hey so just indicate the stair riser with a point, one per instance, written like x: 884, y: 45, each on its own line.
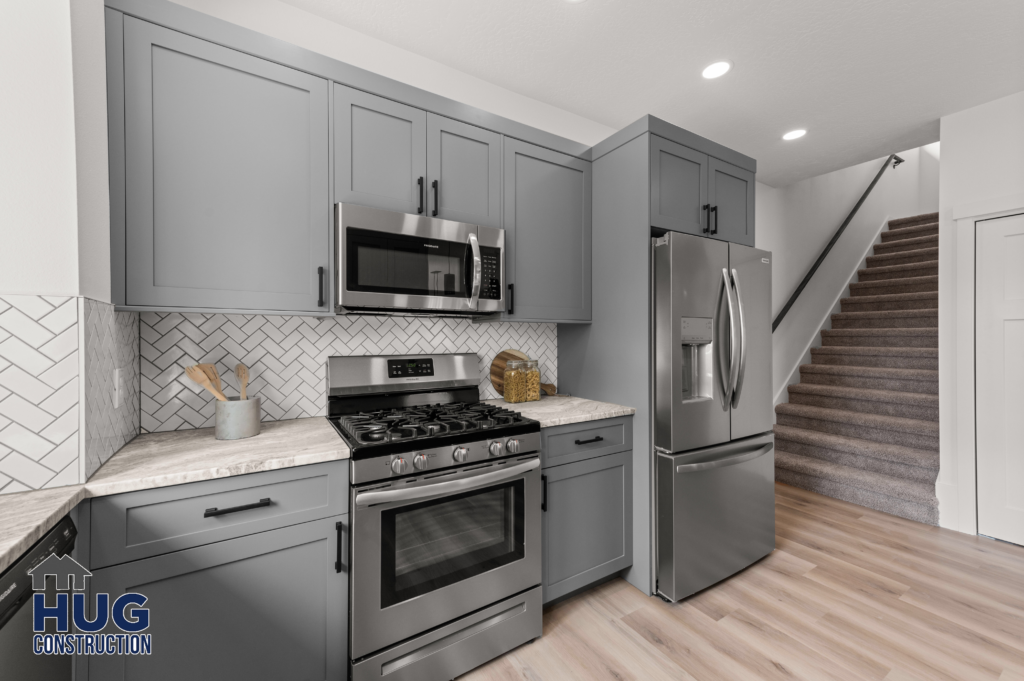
x: 909, y: 233
x: 855, y: 495
x: 910, y: 220
x: 895, y: 286
x: 886, y: 437
x: 931, y: 322
x: 909, y: 411
x: 929, y: 363
x: 877, y: 275
x: 851, y: 305
x: 867, y: 463
x: 884, y: 260
x: 880, y: 341
x: 873, y: 383
x: 906, y: 245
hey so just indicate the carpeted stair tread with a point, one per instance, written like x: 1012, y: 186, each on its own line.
x: 926, y: 400
x: 924, y: 300
x: 878, y: 428
x: 909, y: 490
x: 900, y: 223
x: 925, y: 229
x: 868, y: 356
x: 922, y: 513
x: 890, y: 286
x: 878, y: 421
x: 910, y: 270
x: 918, y: 242
x: 903, y: 257
x: 886, y: 319
x: 843, y: 443
x: 912, y: 337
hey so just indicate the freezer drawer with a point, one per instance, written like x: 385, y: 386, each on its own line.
x: 716, y: 513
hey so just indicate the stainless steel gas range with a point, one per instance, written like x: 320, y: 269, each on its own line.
x: 446, y: 517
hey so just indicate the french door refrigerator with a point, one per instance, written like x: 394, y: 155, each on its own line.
x: 714, y: 449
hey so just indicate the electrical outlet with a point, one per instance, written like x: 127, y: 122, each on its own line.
x: 117, y: 388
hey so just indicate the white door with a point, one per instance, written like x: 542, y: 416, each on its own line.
x: 1000, y: 377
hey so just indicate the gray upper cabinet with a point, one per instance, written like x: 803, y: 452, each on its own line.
x: 731, y: 191
x: 463, y: 172
x: 679, y: 187
x: 547, y: 225
x: 226, y: 176
x: 380, y: 152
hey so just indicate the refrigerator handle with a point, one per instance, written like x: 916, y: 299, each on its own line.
x: 738, y: 385
x: 730, y: 383
x: 728, y: 461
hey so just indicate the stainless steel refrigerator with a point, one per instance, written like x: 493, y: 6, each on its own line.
x: 715, y: 462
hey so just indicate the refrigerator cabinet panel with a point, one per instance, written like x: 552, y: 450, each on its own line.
x: 751, y: 271
x: 716, y: 513
x: 692, y: 351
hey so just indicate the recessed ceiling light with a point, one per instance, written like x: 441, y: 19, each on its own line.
x: 719, y: 68
x: 794, y: 134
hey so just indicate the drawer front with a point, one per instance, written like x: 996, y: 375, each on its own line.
x: 579, y: 441
x: 148, y: 523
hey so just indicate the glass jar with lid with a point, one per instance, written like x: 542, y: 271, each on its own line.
x: 515, y: 381
x: 531, y: 371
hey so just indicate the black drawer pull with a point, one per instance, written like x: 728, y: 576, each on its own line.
x: 211, y: 512
x: 339, y: 526
x: 544, y: 493
x: 590, y: 441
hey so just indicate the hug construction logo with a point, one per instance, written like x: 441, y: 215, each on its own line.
x: 126, y: 613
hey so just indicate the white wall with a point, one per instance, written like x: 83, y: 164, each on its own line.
x: 796, y: 222
x: 982, y: 172
x: 301, y: 28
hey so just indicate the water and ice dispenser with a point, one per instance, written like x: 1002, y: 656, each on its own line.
x: 697, y: 367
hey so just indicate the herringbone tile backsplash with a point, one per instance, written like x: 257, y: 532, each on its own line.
x: 286, y: 357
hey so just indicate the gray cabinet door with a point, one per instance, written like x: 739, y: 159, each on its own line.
x: 731, y: 191
x: 465, y: 163
x: 587, y: 522
x: 227, y: 182
x: 547, y: 233
x: 679, y: 187
x: 380, y: 152
x: 266, y: 606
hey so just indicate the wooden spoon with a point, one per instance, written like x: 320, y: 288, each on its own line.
x: 200, y: 377
x: 211, y: 372
x: 242, y: 372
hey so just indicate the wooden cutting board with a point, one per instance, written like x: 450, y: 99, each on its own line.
x: 498, y: 368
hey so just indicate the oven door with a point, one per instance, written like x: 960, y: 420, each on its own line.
x: 388, y: 260
x: 430, y: 551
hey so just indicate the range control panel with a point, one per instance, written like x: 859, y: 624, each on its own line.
x: 399, y: 368
x: 490, y: 281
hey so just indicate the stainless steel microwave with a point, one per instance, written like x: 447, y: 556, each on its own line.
x: 391, y: 262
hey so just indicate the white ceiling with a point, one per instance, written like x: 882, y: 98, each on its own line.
x: 864, y: 77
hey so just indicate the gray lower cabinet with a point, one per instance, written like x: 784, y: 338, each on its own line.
x: 679, y: 187
x: 267, y: 606
x: 588, y: 521
x: 226, y: 181
x: 463, y: 172
x: 731, y: 192
x: 547, y: 225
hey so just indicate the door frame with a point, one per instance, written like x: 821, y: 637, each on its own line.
x: 957, y: 484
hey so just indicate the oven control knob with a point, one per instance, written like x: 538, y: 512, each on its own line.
x: 420, y: 461
x: 495, y: 449
x: 460, y: 454
x: 512, y: 446
x: 398, y: 466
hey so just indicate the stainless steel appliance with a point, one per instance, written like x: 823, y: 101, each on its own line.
x: 715, y: 497
x: 394, y: 262
x: 445, y: 513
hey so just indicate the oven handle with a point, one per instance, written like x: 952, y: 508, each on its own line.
x: 474, y: 245
x: 364, y: 499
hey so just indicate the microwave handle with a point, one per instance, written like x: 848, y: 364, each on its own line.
x: 474, y: 245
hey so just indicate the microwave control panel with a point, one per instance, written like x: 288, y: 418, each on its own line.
x: 490, y: 281
x: 400, y: 368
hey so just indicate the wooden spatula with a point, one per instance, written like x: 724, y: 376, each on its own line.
x: 242, y: 372
x: 200, y: 377
x: 211, y: 373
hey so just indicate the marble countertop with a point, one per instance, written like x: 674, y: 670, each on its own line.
x: 560, y: 410
x: 164, y: 459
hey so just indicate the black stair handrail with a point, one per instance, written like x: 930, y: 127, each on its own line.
x: 896, y: 160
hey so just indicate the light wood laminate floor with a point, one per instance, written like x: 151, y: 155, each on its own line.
x: 849, y: 593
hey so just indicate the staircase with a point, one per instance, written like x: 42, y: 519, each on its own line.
x: 863, y: 423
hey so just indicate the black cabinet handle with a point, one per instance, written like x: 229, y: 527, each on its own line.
x: 544, y: 494
x: 707, y: 217
x: 511, y: 299
x: 435, y: 184
x: 420, y: 183
x: 320, y: 274
x: 339, y: 526
x: 211, y: 512
x: 714, y: 211
x: 590, y: 441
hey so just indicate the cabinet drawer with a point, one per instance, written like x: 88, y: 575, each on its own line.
x: 151, y: 522
x: 578, y: 441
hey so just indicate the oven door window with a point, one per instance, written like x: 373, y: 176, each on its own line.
x: 436, y: 543
x: 406, y: 265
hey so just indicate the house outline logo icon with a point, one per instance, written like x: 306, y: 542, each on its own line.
x: 68, y: 572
